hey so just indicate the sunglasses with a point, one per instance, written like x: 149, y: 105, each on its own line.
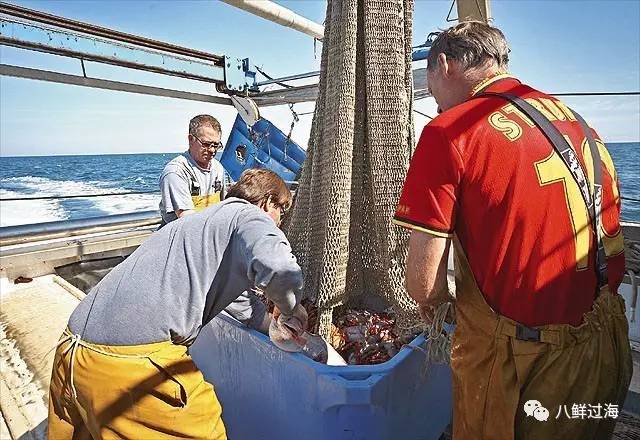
x: 208, y: 145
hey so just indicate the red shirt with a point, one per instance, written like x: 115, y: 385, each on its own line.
x: 483, y: 171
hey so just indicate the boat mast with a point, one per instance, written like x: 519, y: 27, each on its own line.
x: 279, y: 14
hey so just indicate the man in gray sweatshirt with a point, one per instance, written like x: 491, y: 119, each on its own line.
x: 122, y: 365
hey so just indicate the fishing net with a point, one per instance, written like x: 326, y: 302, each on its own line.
x: 360, y: 145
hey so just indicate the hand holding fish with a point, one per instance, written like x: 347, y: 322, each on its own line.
x: 285, y: 330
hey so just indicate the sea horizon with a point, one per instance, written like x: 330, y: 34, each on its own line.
x: 63, y: 175
x: 178, y: 151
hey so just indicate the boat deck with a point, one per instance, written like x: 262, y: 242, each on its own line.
x: 32, y: 317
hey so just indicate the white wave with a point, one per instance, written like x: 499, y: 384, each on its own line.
x: 42, y: 186
x: 22, y: 212
x: 122, y: 204
x: 32, y: 211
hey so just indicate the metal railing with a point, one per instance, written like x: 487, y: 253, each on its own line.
x: 11, y: 235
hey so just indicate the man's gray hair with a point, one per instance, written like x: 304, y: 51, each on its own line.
x: 201, y: 121
x: 472, y: 44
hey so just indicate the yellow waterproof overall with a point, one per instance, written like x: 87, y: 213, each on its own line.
x: 151, y: 391
x: 202, y: 202
x: 496, y: 370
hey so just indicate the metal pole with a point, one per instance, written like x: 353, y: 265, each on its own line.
x: 281, y: 15
x: 45, y: 38
x: 76, y: 80
x: 98, y: 31
x: 10, y: 235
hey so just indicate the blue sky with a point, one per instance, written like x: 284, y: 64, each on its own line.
x: 557, y: 46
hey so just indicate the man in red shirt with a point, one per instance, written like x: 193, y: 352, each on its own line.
x: 539, y: 323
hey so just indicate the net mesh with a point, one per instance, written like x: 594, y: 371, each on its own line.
x: 359, y: 149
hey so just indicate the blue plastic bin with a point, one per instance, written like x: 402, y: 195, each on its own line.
x: 263, y: 146
x: 272, y: 395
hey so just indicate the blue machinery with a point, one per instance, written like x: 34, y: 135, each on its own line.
x: 262, y: 145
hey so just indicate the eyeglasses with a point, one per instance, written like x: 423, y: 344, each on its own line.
x: 281, y: 208
x: 208, y: 145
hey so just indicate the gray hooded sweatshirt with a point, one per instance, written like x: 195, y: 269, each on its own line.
x: 188, y: 272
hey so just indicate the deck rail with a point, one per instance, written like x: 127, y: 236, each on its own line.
x: 11, y: 235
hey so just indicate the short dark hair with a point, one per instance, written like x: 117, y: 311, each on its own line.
x: 472, y: 44
x: 201, y: 120
x: 258, y: 184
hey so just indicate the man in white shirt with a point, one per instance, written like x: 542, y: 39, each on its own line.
x: 194, y: 180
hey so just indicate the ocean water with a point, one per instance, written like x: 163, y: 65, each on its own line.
x: 88, y: 175
x: 626, y: 158
x: 40, y: 176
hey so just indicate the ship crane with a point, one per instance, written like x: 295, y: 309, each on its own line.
x: 232, y: 76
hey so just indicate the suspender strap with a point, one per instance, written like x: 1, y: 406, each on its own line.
x: 570, y: 159
x: 601, y: 256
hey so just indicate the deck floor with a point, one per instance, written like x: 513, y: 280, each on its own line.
x: 32, y: 318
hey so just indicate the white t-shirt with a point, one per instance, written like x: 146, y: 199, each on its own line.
x: 183, y: 179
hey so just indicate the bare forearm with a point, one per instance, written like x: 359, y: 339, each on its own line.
x: 426, y: 278
x: 433, y: 297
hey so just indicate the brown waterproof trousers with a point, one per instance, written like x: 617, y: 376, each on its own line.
x: 495, y: 371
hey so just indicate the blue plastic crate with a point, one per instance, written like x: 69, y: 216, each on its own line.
x: 269, y: 394
x: 261, y: 146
